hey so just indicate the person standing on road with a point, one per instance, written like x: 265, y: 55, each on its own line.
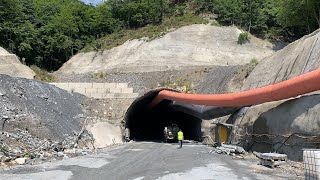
x: 180, y: 138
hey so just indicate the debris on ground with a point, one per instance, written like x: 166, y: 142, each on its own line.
x: 232, y: 150
x: 21, y: 148
x: 271, y: 159
x: 39, y: 122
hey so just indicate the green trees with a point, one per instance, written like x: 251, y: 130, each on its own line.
x: 137, y: 13
x: 286, y: 18
x: 248, y: 14
x: 298, y: 17
x: 47, y: 33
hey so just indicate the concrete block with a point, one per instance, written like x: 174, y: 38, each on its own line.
x: 108, y: 96
x: 101, y: 90
x: 121, y: 96
x: 117, y: 95
x: 81, y: 85
x: 115, y: 90
x: 122, y: 85
x: 110, y: 85
x: 79, y: 90
x: 97, y: 85
x: 74, y: 85
x: 91, y: 90
x: 126, y: 90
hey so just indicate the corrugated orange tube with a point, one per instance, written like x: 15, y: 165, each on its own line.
x: 300, y: 85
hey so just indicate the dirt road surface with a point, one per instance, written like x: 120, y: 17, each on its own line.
x: 148, y: 160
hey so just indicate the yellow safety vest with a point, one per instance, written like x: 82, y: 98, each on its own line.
x: 180, y: 135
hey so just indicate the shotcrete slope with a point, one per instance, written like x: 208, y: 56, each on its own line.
x: 299, y: 57
x: 195, y: 45
x: 290, y: 120
x: 10, y: 65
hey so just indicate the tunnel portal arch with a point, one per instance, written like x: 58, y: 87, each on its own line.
x: 145, y: 123
x: 148, y: 124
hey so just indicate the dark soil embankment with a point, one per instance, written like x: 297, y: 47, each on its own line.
x: 37, y: 120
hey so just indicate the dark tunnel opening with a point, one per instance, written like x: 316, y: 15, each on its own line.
x: 148, y: 125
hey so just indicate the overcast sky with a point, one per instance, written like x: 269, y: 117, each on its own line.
x: 94, y: 2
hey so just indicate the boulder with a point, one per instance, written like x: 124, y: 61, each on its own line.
x: 20, y: 161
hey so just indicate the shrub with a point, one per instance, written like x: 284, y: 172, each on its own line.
x: 99, y: 75
x: 254, y: 61
x: 243, y: 37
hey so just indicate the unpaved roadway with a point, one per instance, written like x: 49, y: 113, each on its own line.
x: 148, y: 160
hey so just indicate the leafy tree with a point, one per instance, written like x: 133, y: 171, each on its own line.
x: 298, y: 16
x: 137, y: 13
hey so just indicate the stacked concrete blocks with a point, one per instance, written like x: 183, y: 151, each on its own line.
x: 99, y: 90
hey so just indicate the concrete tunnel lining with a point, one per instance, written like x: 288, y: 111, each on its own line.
x: 145, y: 123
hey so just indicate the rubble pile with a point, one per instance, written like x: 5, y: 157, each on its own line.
x: 21, y: 147
x: 230, y: 150
x: 40, y: 122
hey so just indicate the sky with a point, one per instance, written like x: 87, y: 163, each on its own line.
x: 94, y: 2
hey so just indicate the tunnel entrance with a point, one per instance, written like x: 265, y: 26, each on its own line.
x: 149, y: 125
x: 145, y: 123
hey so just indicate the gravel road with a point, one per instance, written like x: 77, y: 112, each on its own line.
x: 148, y: 160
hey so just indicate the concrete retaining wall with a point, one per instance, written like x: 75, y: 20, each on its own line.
x: 99, y: 90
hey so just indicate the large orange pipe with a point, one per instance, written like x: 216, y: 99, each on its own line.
x: 300, y: 85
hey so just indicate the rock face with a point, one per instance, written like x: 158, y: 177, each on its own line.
x: 10, y: 65
x: 284, y: 126
x: 195, y: 45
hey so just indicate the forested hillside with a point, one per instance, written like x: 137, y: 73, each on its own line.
x: 47, y: 33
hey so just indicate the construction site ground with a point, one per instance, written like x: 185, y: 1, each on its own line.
x: 152, y: 160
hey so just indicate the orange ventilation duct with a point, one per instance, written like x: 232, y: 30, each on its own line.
x: 300, y: 85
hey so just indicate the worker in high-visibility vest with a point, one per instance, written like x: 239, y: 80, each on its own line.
x: 180, y: 138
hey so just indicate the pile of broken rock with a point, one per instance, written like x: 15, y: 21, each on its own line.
x: 21, y: 148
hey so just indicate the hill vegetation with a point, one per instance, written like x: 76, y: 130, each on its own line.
x: 48, y: 33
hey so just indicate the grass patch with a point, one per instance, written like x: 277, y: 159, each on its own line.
x: 150, y: 31
x: 216, y: 23
x: 254, y: 61
x: 178, y: 84
x: 42, y: 74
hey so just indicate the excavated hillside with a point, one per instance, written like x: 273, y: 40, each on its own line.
x: 284, y: 126
x: 10, y: 65
x: 39, y: 117
x: 189, y: 46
